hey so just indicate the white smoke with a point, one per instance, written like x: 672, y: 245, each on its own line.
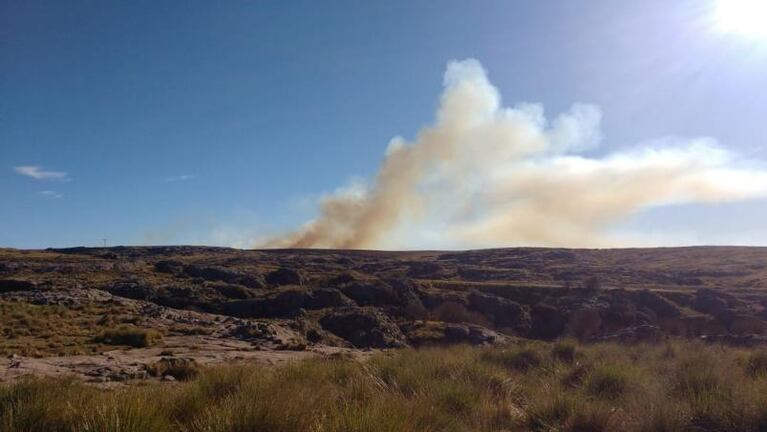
x: 483, y: 175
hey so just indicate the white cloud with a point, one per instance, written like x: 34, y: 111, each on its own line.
x: 38, y: 173
x: 179, y: 178
x: 51, y: 194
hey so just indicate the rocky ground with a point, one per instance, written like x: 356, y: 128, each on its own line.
x: 61, y: 309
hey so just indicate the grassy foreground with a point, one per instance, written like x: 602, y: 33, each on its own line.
x: 541, y: 387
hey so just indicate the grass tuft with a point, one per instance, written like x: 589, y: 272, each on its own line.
x: 129, y: 335
x: 455, y: 389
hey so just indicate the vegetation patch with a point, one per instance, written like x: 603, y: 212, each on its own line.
x: 757, y: 363
x: 515, y: 359
x: 179, y: 368
x: 48, y: 330
x: 131, y: 336
x: 456, y: 389
x: 564, y: 352
x: 607, y: 381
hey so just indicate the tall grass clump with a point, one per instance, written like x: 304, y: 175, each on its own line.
x: 518, y: 359
x: 532, y: 387
x: 564, y: 352
x: 608, y: 381
x: 129, y: 335
x: 757, y: 363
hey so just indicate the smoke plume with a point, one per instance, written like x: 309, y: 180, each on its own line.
x: 485, y: 175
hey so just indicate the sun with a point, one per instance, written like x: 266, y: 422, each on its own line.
x: 744, y: 17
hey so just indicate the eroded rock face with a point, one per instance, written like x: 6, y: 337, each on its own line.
x: 372, y: 293
x: 133, y: 290
x: 661, y: 307
x: 210, y: 273
x: 322, y: 298
x: 285, y: 276
x: 428, y: 333
x: 169, y: 266
x: 711, y: 302
x: 9, y: 285
x: 547, y: 321
x: 503, y: 312
x: 286, y: 303
x: 223, y: 274
x: 747, y: 325
x: 363, y: 328
x: 643, y: 333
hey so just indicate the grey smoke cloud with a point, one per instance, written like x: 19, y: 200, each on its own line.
x: 485, y: 175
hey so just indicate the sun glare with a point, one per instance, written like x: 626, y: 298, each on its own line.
x: 745, y: 17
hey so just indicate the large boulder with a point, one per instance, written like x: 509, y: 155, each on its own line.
x: 9, y: 285
x: 547, y: 321
x: 658, y: 305
x: 433, y: 298
x: 169, y: 266
x: 620, y: 311
x: 639, y: 334
x: 584, y: 323
x: 713, y: 303
x: 368, y: 290
x: 503, y: 312
x: 133, y: 290
x: 428, y: 333
x: 286, y: 303
x: 285, y: 276
x: 709, y: 302
x: 371, y: 293
x: 322, y: 298
x: 427, y: 270
x: 232, y: 291
x: 223, y: 274
x: 695, y: 326
x: 363, y: 328
x: 747, y: 325
x: 406, y: 291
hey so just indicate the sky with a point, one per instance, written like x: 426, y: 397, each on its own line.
x: 231, y: 123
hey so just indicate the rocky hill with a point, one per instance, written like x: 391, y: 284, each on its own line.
x: 60, y: 302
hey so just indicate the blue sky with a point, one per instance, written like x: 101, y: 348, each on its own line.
x: 218, y: 122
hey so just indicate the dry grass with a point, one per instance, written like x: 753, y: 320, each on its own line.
x: 538, y: 387
x: 129, y: 335
x: 46, y: 330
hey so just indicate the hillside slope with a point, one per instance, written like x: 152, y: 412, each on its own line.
x: 61, y: 302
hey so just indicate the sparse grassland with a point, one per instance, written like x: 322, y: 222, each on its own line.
x: 45, y: 330
x: 535, y: 386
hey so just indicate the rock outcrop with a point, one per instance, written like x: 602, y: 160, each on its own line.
x: 363, y: 327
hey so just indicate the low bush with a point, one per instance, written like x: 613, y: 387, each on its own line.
x: 179, y: 368
x: 129, y: 335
